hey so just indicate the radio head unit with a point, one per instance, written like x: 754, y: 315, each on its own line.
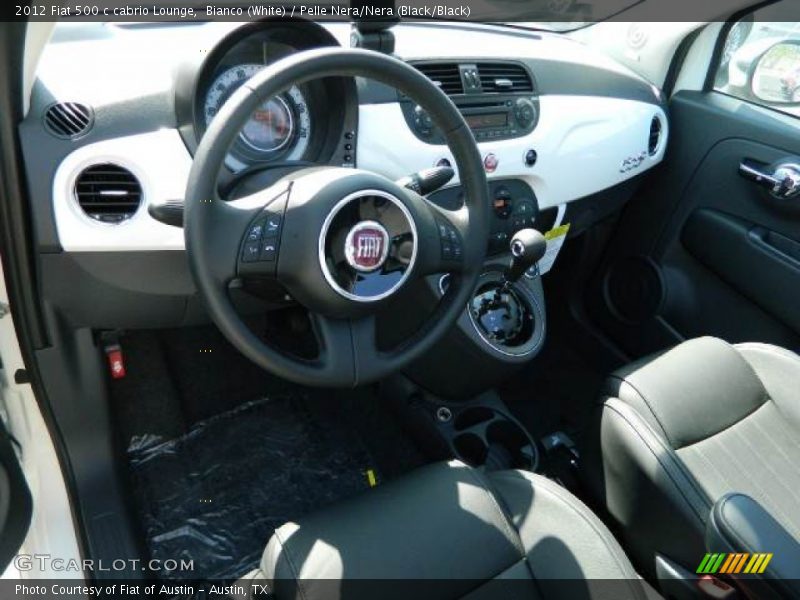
x: 498, y: 100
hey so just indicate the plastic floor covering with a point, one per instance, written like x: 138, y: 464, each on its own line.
x: 215, y: 494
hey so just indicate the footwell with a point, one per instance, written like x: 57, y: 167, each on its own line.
x: 214, y: 495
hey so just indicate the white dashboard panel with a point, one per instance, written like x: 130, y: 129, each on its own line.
x: 582, y: 143
x: 159, y: 160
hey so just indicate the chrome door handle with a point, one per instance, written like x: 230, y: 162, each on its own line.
x: 783, y: 182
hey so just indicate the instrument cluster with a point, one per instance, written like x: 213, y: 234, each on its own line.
x: 301, y: 125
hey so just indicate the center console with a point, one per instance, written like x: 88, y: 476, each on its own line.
x: 514, y: 207
x: 502, y: 328
x: 503, y: 325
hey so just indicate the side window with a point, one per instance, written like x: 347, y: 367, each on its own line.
x: 760, y: 59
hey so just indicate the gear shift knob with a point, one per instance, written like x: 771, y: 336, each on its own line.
x: 527, y: 248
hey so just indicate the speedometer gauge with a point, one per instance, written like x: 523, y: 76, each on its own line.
x: 270, y: 127
x: 279, y: 126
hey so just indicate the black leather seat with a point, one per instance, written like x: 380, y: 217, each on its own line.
x: 704, y: 424
x: 449, y: 531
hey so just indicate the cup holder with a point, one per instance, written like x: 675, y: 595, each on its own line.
x: 471, y: 449
x: 484, y: 436
x: 473, y: 416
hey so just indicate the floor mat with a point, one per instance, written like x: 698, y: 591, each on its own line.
x: 215, y: 494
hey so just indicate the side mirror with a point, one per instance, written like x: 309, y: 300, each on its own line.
x: 776, y: 77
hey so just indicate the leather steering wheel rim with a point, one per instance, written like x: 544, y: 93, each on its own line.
x: 204, y: 236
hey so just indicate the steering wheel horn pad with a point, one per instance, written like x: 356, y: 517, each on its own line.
x: 342, y: 241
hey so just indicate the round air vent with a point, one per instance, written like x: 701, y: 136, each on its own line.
x: 108, y: 193
x: 68, y: 120
x: 655, y: 136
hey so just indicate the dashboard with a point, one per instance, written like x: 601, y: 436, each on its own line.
x: 117, y: 111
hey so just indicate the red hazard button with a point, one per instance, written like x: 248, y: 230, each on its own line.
x: 490, y: 163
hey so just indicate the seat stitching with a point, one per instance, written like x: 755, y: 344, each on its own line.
x: 672, y: 456
x: 512, y: 533
x: 729, y: 484
x: 729, y: 427
x: 583, y: 512
x: 776, y: 477
x: 289, y: 560
x: 647, y: 404
x: 676, y: 463
x: 792, y: 464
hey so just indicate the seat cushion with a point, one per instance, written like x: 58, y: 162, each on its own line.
x: 678, y: 431
x: 450, y: 531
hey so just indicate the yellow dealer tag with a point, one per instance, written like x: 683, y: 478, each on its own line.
x: 371, y: 478
x: 555, y: 239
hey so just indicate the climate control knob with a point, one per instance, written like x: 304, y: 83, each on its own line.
x: 525, y: 112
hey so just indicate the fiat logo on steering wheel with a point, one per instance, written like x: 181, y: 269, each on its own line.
x: 366, y: 246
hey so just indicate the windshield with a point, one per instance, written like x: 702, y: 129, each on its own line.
x: 560, y: 15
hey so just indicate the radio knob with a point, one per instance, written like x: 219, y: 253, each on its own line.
x: 422, y: 120
x: 525, y: 112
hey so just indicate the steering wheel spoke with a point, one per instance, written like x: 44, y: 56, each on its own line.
x: 446, y: 234
x: 264, y: 215
x: 347, y: 347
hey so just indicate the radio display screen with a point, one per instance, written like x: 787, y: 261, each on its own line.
x: 487, y: 120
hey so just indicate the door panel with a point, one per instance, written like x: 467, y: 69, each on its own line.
x: 748, y: 257
x: 723, y: 254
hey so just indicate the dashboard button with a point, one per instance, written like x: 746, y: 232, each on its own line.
x: 490, y: 163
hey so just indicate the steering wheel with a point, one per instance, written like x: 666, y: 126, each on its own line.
x: 341, y: 241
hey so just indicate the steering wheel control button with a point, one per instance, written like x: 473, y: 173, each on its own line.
x: 272, y: 225
x: 256, y: 231
x: 452, y: 248
x: 366, y: 246
x: 490, y: 163
x: 269, y: 250
x: 262, y: 239
x: 251, y: 251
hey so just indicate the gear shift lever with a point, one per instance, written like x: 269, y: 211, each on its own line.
x: 527, y: 248
x: 502, y: 314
